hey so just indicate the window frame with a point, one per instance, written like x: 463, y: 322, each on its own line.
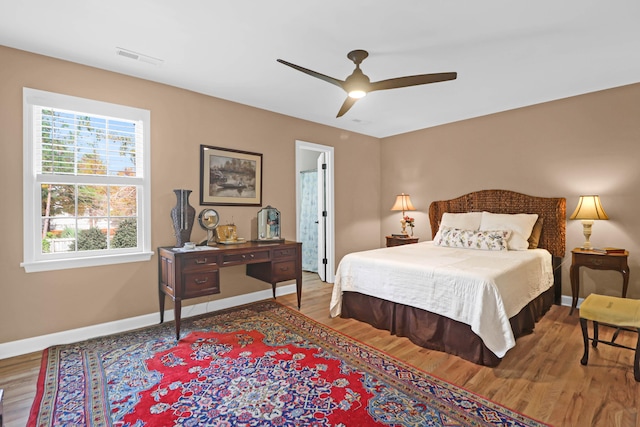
x: 34, y: 259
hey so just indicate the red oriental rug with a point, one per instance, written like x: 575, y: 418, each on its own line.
x: 257, y: 365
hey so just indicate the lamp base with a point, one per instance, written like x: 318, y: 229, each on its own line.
x: 404, y: 226
x: 586, y: 230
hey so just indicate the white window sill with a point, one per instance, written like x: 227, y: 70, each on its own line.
x: 61, y: 264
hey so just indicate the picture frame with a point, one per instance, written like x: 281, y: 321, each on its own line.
x: 230, y: 177
x: 268, y: 220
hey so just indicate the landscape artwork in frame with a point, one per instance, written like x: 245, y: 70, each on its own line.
x: 230, y: 177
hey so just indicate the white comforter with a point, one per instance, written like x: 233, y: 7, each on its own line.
x: 480, y: 288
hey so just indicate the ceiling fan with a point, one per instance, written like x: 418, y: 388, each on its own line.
x: 357, y: 85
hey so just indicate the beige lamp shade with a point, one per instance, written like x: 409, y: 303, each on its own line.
x: 403, y: 203
x: 589, y: 209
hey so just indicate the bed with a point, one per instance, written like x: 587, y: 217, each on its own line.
x: 373, y: 286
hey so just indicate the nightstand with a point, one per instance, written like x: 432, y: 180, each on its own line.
x: 596, y: 261
x: 398, y: 241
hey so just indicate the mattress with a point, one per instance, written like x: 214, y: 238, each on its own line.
x: 482, y: 289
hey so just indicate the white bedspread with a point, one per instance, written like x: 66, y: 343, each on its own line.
x: 480, y: 288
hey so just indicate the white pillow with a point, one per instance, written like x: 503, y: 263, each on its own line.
x: 462, y: 221
x: 520, y: 225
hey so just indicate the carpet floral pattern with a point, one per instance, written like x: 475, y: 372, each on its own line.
x: 257, y: 365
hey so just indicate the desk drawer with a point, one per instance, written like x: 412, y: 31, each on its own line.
x: 258, y: 256
x: 284, y: 253
x: 601, y: 262
x: 198, y: 284
x: 285, y: 270
x: 198, y: 261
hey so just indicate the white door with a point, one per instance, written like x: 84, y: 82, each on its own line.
x: 322, y: 217
x: 326, y: 240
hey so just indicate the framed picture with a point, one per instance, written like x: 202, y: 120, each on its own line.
x: 230, y: 177
x: 269, y: 225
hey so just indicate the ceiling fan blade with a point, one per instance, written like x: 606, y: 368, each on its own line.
x: 420, y: 79
x: 320, y: 76
x: 348, y: 103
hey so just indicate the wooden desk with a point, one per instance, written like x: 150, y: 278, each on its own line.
x: 596, y: 261
x: 398, y: 241
x: 190, y: 274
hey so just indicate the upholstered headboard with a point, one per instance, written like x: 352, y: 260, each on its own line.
x: 551, y: 209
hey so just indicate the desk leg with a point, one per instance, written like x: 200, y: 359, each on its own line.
x: 625, y: 281
x: 299, y: 276
x: 299, y: 287
x: 161, y: 296
x: 177, y: 310
x: 574, y: 276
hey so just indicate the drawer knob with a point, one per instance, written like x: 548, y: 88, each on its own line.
x: 597, y: 262
x: 284, y: 268
x: 201, y: 261
x: 201, y: 281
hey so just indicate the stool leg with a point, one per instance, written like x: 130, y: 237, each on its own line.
x: 594, y: 343
x: 636, y: 360
x: 585, y: 339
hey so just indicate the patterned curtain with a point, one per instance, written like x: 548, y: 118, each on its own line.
x: 308, y: 218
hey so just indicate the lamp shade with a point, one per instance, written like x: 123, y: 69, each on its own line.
x: 403, y: 203
x: 589, y: 207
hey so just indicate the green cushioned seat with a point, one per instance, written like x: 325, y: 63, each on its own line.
x: 611, y: 310
x: 619, y: 313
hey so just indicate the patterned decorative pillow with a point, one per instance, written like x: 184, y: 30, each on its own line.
x: 486, y: 240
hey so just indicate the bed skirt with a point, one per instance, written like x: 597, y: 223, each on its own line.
x: 437, y: 332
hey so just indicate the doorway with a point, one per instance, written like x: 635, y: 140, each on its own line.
x: 315, y: 222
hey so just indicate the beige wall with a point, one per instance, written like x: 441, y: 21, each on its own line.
x: 35, y: 304
x: 588, y: 144
x: 581, y: 145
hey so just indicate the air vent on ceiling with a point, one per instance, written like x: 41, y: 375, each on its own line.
x: 138, y: 57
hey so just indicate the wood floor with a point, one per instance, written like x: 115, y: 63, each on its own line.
x: 541, y: 377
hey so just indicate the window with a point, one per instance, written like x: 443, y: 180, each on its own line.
x: 86, y: 182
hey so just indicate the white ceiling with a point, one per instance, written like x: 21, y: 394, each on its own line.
x: 507, y: 53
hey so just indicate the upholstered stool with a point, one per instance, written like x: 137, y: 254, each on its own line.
x: 620, y: 313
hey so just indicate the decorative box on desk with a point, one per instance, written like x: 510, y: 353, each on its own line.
x: 184, y: 274
x: 400, y: 240
x: 598, y: 260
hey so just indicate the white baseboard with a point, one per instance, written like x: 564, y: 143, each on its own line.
x: 29, y: 345
x: 566, y: 300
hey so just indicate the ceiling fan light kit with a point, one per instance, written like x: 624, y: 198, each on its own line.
x: 357, y: 94
x: 357, y: 85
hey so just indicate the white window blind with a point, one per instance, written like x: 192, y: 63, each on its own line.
x: 81, y: 144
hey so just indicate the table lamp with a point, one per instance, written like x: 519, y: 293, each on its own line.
x: 403, y: 203
x: 589, y: 209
